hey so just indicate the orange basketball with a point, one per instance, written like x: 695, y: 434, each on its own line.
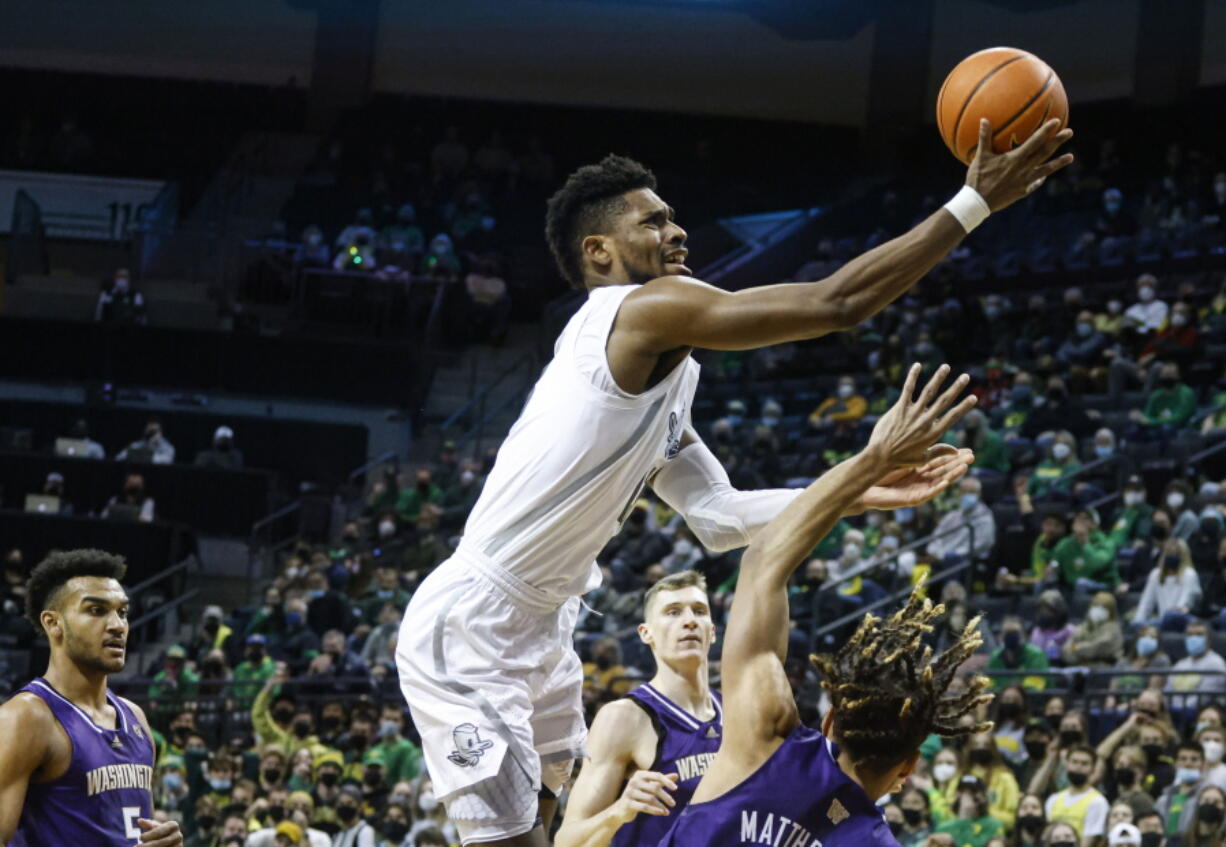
x: 1013, y: 89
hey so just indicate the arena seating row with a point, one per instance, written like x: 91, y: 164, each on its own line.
x: 297, y: 449
x: 381, y: 373
x: 212, y: 500
x: 147, y: 547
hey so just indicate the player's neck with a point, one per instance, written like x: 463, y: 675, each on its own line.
x: 85, y: 689
x: 874, y: 787
x: 687, y: 686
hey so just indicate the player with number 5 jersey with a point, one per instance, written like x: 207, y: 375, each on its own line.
x: 76, y: 761
x: 485, y: 652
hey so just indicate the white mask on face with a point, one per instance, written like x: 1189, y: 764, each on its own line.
x: 944, y: 771
x: 387, y: 529
x: 1134, y: 498
x: 851, y: 551
x: 846, y: 391
x: 1213, y: 751
x: 427, y: 802
x: 1060, y: 450
x: 1146, y: 293
x: 1174, y: 500
x: 1098, y: 614
x: 683, y: 547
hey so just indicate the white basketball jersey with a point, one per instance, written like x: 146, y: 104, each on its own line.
x: 573, y: 464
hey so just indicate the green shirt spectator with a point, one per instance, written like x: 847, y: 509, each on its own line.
x: 1016, y: 653
x: 990, y: 451
x: 252, y: 672
x: 410, y: 501
x: 1087, y: 556
x: 972, y: 833
x: 1135, y: 520
x: 174, y: 685
x: 402, y: 756
x: 385, y: 590
x: 1173, y: 404
x: 1215, y: 422
x: 1050, y: 474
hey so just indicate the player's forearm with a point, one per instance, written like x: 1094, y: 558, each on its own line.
x: 785, y: 541
x: 595, y: 831
x: 873, y: 280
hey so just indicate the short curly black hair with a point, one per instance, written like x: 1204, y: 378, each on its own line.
x: 585, y: 204
x: 53, y: 572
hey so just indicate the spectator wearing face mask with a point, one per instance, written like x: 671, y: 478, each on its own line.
x: 1081, y: 805
x: 253, y: 671
x: 1153, y: 829
x: 1211, y: 740
x: 990, y: 451
x: 1178, y: 802
x: 411, y: 500
x: 967, y: 531
x: 170, y: 790
x: 296, y: 644
x: 354, y: 830
x: 1132, y: 524
x: 983, y: 761
x: 1060, y: 834
x: 1141, y: 654
x: 54, y: 487
x: 1086, y: 557
x: 163, y: 452
x: 1187, y: 677
x: 1051, y: 624
x: 1083, y: 351
x: 972, y: 825
x: 1128, y: 775
x: 1148, y: 314
x: 1015, y: 653
x: 1205, y: 829
x: 1048, y: 477
x: 313, y: 251
x: 386, y: 589
x: 118, y: 303
x: 394, y: 825
x: 133, y: 494
x: 1177, y: 343
x: 1098, y: 641
x: 175, y: 684
x: 1169, y: 408
x: 916, y: 818
x: 1178, y: 500
x: 459, y: 498
x: 1029, y: 823
x: 842, y: 410
x: 223, y: 453
x: 1172, y: 589
x: 1111, y: 320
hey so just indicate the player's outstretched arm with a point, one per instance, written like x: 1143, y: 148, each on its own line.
x: 759, y: 701
x: 25, y: 727
x: 672, y: 312
x: 598, y: 805
x: 723, y: 517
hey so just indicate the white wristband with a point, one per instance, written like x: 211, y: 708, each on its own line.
x: 969, y: 208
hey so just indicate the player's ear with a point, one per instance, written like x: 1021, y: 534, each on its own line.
x: 51, y: 622
x: 644, y: 634
x: 596, y: 248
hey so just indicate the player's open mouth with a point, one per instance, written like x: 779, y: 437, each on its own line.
x: 115, y: 645
x: 677, y: 258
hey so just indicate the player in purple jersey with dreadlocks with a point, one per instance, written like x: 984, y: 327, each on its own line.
x: 776, y: 781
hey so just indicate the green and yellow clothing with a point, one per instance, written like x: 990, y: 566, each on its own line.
x: 249, y: 678
x: 840, y: 410
x: 1170, y: 406
x: 972, y: 833
x: 270, y: 732
x: 410, y: 501
x: 941, y: 810
x: 1219, y: 417
x: 1131, y: 524
x: 1003, y: 793
x: 990, y: 452
x: 1072, y: 809
x: 1032, y: 659
x: 1049, y: 476
x: 1093, y: 560
x: 1040, y: 554
x: 403, y: 759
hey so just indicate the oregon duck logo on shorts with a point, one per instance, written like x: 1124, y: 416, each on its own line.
x: 469, y: 745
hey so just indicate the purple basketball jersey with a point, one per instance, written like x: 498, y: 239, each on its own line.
x: 686, y: 747
x: 798, y: 798
x: 105, y: 789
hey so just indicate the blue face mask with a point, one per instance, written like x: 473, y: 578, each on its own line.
x: 905, y: 515
x: 315, y: 593
x: 172, y: 781
x: 1102, y: 451
x: 1195, y: 644
x: 1187, y: 775
x: 220, y: 784
x: 1084, y: 329
x: 293, y: 618
x: 385, y: 594
x: 1147, y: 645
x: 734, y: 420
x: 1020, y: 393
x: 969, y: 501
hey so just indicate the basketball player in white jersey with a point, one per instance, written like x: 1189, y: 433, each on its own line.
x: 485, y: 651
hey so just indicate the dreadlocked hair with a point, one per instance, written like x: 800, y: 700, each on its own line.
x: 586, y: 204
x: 888, y: 690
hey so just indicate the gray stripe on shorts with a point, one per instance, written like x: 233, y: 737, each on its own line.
x: 487, y: 708
x: 509, y: 534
